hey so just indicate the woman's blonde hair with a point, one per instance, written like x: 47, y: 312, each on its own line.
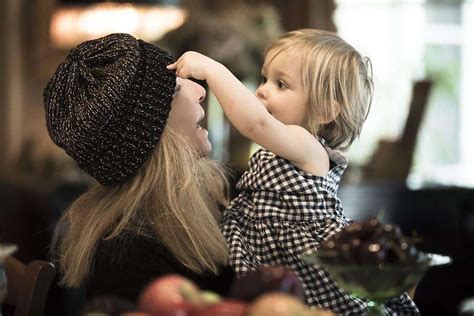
x: 176, y: 195
x: 338, y: 80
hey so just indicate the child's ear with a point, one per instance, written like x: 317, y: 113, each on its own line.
x: 336, y: 110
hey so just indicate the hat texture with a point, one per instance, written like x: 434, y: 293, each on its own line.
x: 108, y: 103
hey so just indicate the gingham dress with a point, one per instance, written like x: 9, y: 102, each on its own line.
x: 283, y: 213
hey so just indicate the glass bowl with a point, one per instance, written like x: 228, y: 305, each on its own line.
x: 376, y: 282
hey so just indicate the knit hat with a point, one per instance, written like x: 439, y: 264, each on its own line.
x: 108, y: 103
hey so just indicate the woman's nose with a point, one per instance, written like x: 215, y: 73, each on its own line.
x: 200, y: 92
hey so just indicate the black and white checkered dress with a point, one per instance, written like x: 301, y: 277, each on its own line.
x: 284, y: 213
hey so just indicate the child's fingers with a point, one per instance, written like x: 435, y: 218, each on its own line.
x: 172, y: 66
x: 180, y: 68
x: 182, y: 72
x: 179, y: 72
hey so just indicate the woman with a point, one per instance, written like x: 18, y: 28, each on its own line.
x: 133, y: 126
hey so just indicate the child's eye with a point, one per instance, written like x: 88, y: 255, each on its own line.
x: 263, y: 80
x: 281, y: 84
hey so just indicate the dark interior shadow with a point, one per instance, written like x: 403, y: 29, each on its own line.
x: 442, y: 218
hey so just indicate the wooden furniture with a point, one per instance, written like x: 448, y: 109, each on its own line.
x: 393, y: 159
x: 28, y: 286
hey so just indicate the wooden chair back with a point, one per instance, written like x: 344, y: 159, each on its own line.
x: 28, y: 285
x: 392, y: 160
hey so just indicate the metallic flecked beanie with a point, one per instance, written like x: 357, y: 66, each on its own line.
x: 108, y: 103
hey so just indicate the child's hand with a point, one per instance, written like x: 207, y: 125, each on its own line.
x: 192, y: 64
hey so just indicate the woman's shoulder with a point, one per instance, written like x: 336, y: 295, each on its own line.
x: 123, y: 265
x: 134, y: 260
x: 132, y: 248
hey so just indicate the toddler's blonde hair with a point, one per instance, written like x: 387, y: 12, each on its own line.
x: 338, y: 80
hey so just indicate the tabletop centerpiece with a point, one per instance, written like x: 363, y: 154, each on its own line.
x: 373, y: 261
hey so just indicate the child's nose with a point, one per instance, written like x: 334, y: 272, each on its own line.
x: 261, y: 93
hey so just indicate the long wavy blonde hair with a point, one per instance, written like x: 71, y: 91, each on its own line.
x: 175, y: 193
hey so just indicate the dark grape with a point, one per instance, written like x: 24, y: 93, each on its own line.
x: 371, y: 242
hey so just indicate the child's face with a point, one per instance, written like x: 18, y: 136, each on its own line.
x: 281, y: 89
x: 186, y: 113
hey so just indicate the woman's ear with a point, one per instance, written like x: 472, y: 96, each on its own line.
x: 335, y: 110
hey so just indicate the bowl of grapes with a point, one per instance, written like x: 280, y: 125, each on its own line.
x: 373, y: 261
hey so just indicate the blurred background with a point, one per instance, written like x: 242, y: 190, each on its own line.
x: 412, y: 165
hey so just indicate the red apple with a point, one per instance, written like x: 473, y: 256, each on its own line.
x: 223, y: 308
x: 277, y: 304
x: 170, y: 295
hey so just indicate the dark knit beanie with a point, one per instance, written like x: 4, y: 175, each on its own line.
x: 108, y: 103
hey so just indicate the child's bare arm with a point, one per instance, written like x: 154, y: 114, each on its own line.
x: 245, y: 110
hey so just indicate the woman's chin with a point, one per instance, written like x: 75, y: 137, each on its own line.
x: 204, y: 145
x: 205, y: 149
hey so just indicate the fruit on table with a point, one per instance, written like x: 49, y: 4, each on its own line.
x: 170, y: 295
x: 277, y: 304
x: 319, y: 312
x: 264, y: 280
x: 209, y: 297
x: 223, y: 308
x: 174, y: 295
x: 370, y: 242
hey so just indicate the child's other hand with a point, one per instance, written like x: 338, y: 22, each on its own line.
x: 192, y: 64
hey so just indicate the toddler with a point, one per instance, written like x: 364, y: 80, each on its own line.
x: 313, y: 99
